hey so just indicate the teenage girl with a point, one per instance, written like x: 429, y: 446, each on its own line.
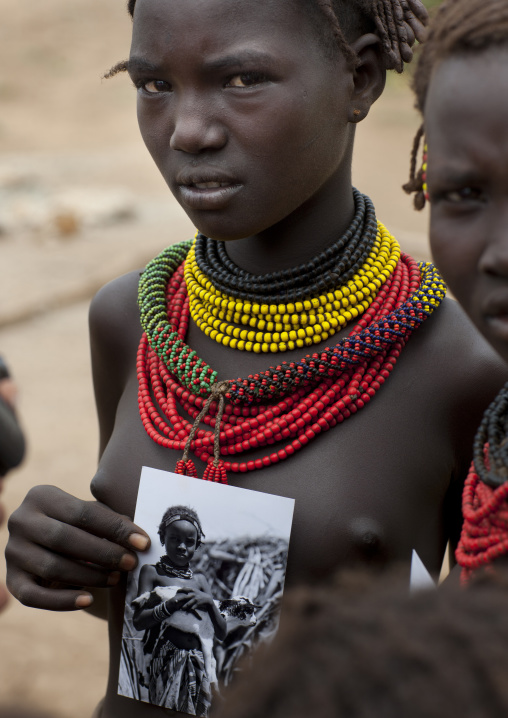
x: 461, y: 87
x: 360, y: 388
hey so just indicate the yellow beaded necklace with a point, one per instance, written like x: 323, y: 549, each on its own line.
x: 281, y: 327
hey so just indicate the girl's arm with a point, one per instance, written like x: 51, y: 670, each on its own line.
x: 202, y: 598
x: 148, y: 610
x: 58, y: 543
x: 57, y: 556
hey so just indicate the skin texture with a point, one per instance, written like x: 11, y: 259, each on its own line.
x: 466, y: 120
x: 385, y: 482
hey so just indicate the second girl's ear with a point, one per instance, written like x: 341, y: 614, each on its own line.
x: 369, y: 77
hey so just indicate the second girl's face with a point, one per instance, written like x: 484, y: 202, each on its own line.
x: 244, y: 115
x: 466, y: 124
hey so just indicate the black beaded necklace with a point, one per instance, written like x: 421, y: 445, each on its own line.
x: 493, y: 431
x: 332, y: 267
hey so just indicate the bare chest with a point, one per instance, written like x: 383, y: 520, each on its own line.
x: 369, y: 490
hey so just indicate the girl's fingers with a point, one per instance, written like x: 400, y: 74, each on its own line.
x: 51, y: 567
x: 25, y: 588
x: 60, y: 539
x: 70, y: 541
x: 90, y: 516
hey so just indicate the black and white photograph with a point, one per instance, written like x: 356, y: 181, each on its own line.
x: 206, y: 593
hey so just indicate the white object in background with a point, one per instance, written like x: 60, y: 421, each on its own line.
x: 420, y: 577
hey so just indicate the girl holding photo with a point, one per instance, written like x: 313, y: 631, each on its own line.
x: 360, y: 385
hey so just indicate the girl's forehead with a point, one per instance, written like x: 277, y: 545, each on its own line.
x: 159, y: 24
x: 469, y: 90
x: 181, y: 526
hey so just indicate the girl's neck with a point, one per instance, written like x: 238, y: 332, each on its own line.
x: 299, y: 237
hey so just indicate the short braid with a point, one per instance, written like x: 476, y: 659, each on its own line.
x: 459, y: 27
x: 415, y: 183
x: 328, y: 11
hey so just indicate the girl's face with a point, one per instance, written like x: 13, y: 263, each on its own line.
x: 244, y: 115
x: 180, y: 542
x: 466, y: 123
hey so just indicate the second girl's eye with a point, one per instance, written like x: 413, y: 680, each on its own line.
x: 465, y: 194
x: 155, y: 87
x: 246, y: 79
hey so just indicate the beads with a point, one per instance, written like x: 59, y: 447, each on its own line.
x: 288, y: 325
x: 331, y: 268
x: 424, y: 174
x: 484, y: 535
x: 286, y: 406
x: 493, y: 431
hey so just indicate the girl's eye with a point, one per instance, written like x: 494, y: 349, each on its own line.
x: 155, y: 87
x: 466, y: 194
x: 246, y: 79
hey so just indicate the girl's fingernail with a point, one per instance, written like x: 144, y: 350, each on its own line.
x: 139, y: 541
x: 127, y: 562
x: 113, y: 578
x: 84, y: 600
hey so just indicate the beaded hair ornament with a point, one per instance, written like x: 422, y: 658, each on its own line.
x: 363, y: 283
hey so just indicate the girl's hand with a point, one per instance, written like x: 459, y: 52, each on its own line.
x: 189, y: 599
x: 60, y: 544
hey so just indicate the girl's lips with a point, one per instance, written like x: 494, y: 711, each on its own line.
x: 207, y: 195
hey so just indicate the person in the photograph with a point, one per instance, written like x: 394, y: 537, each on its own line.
x: 292, y: 348
x: 461, y: 86
x: 366, y: 648
x: 178, y: 672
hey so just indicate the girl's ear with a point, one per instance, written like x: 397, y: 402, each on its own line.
x: 369, y: 76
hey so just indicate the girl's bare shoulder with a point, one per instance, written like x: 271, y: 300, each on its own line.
x: 115, y: 304
x: 114, y: 319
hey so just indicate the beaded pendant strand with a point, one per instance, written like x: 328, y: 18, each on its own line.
x: 292, y: 402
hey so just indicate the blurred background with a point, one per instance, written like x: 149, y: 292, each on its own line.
x: 80, y: 203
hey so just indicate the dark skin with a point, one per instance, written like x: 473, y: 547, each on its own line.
x: 194, y: 593
x: 467, y: 133
x: 386, y: 481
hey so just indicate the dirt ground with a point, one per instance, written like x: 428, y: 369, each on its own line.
x: 62, y: 127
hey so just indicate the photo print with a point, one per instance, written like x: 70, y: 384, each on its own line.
x: 206, y: 593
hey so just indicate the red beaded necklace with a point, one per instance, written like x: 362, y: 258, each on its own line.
x: 484, y: 534
x: 296, y: 418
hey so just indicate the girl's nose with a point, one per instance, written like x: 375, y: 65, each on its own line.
x: 196, y: 128
x: 494, y: 259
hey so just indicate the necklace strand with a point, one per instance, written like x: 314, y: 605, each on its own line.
x: 484, y: 535
x: 287, y: 326
x: 306, y: 397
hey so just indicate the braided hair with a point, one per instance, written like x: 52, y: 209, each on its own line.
x: 459, y: 27
x: 180, y: 513
x: 398, y: 23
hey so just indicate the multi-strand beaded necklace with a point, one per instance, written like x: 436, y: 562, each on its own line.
x: 484, y: 534
x: 363, y: 277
